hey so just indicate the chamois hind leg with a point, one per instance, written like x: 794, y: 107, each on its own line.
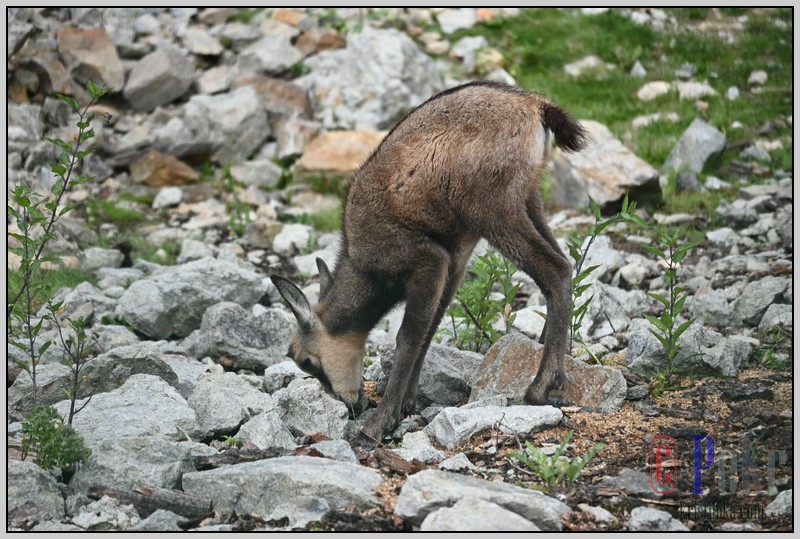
x: 424, y: 288
x: 522, y: 242
x: 458, y: 265
x: 537, y: 215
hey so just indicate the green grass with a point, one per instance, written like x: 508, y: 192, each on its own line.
x: 539, y: 42
x: 245, y: 15
x: 144, y: 199
x: 55, y: 280
x: 328, y: 184
x: 107, y: 211
x: 322, y: 221
x: 144, y: 249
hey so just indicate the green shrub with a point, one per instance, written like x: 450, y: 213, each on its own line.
x: 54, y: 443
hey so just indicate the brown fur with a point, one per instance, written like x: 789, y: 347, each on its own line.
x: 463, y: 165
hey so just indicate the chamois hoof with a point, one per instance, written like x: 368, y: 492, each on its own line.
x: 408, y: 405
x: 536, y: 394
x: 364, y: 441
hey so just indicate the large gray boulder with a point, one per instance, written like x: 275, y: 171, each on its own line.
x: 605, y: 170
x: 281, y: 375
x: 711, y: 308
x: 32, y: 494
x: 102, y: 374
x: 445, y: 377
x: 372, y: 83
x: 455, y: 426
x: 108, y: 338
x: 512, y: 362
x: 234, y: 122
x: 654, y: 520
x: 171, y: 302
x: 758, y: 296
x: 159, y: 78
x: 700, y: 142
x: 188, y: 370
x: 24, y: 127
x: 223, y: 403
x: 474, y: 515
x: 272, y: 54
x: 778, y: 315
x: 266, y: 431
x: 606, y: 315
x: 145, y: 405
x: 429, y: 490
x: 260, y: 487
x: 701, y: 350
x: 131, y: 462
x: 305, y: 408
x: 246, y: 341
x: 417, y: 445
x: 781, y: 505
x: 84, y: 301
x: 95, y: 258
x: 106, y: 514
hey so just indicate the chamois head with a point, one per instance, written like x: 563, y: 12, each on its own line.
x: 335, y: 360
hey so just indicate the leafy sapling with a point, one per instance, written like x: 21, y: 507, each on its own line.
x: 667, y: 327
x: 54, y: 443
x: 36, y: 216
x: 579, y: 250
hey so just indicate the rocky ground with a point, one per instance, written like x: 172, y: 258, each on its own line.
x: 227, y: 137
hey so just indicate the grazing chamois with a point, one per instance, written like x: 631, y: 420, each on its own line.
x: 463, y: 165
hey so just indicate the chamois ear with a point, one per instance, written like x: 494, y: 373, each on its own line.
x: 325, y: 277
x: 297, y: 302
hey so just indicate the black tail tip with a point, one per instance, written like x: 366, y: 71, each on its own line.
x: 569, y: 133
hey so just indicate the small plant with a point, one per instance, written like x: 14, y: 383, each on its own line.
x: 219, y: 178
x: 768, y: 355
x: 238, y: 216
x: 232, y: 441
x: 627, y: 214
x: 312, y: 245
x: 286, y: 164
x: 54, y: 443
x: 476, y: 309
x: 556, y: 470
x: 245, y: 15
x: 298, y: 70
x: 667, y: 327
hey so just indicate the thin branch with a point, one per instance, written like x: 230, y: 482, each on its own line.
x: 54, y: 214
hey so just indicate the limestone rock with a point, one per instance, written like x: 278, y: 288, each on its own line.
x: 605, y: 170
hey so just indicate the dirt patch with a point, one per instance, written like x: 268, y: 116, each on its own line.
x: 737, y: 417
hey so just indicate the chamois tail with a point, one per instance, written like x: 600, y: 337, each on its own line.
x: 569, y: 133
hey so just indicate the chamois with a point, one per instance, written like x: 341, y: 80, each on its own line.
x: 463, y: 165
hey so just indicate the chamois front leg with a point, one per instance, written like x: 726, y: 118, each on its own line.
x: 455, y: 272
x: 424, y: 290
